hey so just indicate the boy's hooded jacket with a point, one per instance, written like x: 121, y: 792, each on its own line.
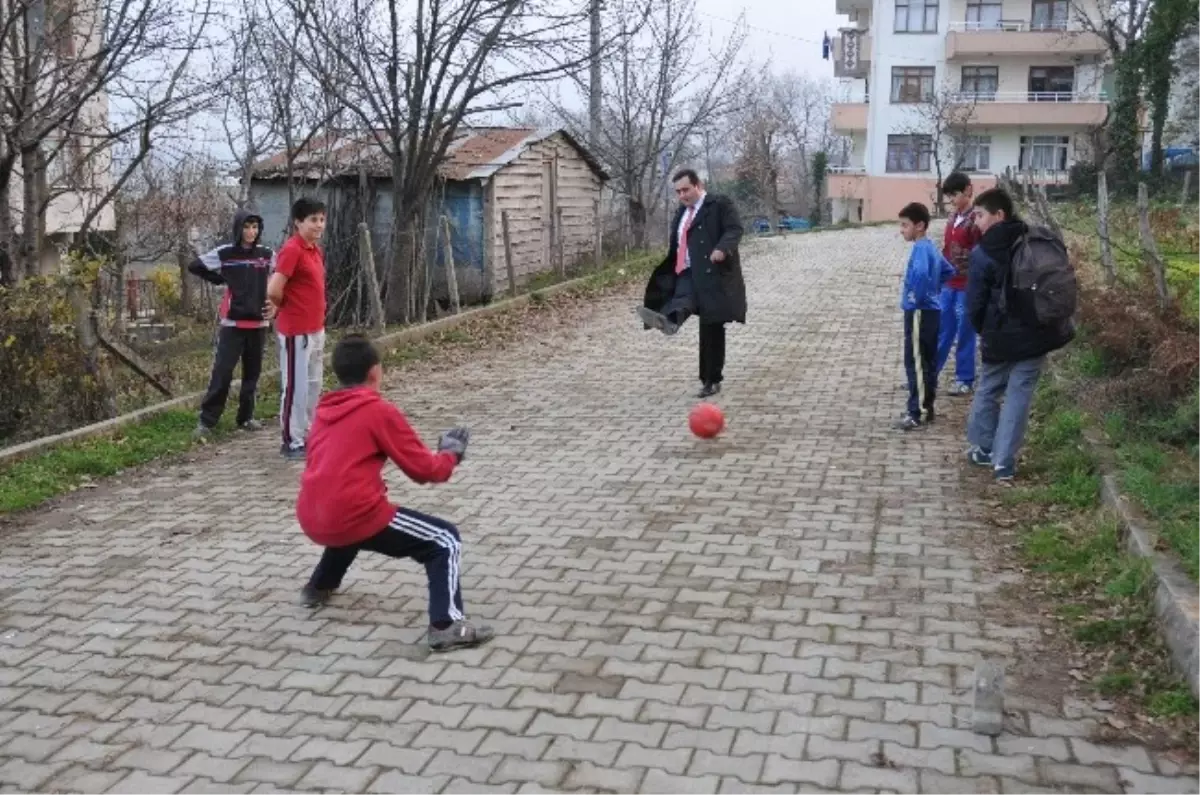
x: 343, y: 499
x: 244, y: 270
x: 1014, y: 335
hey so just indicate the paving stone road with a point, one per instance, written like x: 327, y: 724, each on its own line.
x: 792, y: 607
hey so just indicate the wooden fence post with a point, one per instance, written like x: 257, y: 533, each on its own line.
x: 1150, y: 254
x: 366, y: 264
x: 558, y: 242
x: 1186, y: 190
x: 508, y: 258
x: 1106, y: 255
x: 598, y: 253
x: 451, y: 273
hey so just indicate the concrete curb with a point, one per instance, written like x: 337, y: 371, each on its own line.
x: 387, y: 342
x: 1175, y: 602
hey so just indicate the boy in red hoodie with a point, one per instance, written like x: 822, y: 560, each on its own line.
x: 343, y: 504
x: 955, y: 331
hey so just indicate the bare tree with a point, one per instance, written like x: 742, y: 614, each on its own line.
x: 800, y: 111
x: 410, y: 82
x: 1122, y: 26
x: 667, y: 81
x: 943, y: 120
x: 63, y: 66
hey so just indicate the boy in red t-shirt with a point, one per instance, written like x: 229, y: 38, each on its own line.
x: 343, y: 503
x: 955, y: 328
x: 297, y: 293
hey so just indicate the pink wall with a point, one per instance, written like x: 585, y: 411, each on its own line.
x: 883, y: 197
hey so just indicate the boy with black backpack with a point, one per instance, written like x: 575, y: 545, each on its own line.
x: 1020, y: 298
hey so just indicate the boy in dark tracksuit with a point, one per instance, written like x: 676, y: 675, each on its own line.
x: 920, y: 299
x: 243, y: 267
x: 343, y: 503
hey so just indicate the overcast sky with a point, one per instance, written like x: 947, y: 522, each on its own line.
x: 788, y: 33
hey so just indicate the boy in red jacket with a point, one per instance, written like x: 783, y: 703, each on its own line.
x: 343, y: 504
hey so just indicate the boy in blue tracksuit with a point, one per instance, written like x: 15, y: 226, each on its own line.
x: 921, y: 301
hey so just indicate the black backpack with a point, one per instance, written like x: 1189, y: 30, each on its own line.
x: 1042, y: 278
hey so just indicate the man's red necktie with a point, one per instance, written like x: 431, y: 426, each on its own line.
x: 681, y: 255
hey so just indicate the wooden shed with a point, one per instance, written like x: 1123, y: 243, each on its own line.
x: 548, y: 183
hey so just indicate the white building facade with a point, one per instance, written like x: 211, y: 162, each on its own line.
x: 982, y: 85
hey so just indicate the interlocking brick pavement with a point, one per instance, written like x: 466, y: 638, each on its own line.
x: 791, y: 607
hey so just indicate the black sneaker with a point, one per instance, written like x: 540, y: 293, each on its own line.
x: 315, y: 597
x: 708, y: 390
x: 292, y: 453
x: 459, y: 635
x: 906, y: 423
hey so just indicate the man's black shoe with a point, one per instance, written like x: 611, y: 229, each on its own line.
x: 709, y: 390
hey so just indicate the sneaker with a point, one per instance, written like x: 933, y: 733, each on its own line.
x: 459, y: 635
x: 292, y: 453
x: 202, y: 433
x: 960, y: 389
x: 979, y: 457
x: 1004, y: 476
x: 708, y: 390
x: 906, y: 423
x: 251, y: 426
x: 315, y: 597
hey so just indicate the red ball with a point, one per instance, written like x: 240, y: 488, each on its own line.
x: 706, y: 420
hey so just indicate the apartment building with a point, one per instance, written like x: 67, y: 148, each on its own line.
x: 983, y: 85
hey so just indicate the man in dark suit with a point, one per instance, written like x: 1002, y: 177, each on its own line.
x: 701, y: 275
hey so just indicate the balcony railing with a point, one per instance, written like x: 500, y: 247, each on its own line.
x: 1010, y: 26
x: 847, y: 169
x: 1029, y: 96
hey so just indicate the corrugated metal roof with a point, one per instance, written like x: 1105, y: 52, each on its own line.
x: 476, y: 153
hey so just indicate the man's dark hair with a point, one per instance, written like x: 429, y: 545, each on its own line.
x: 917, y: 213
x: 957, y: 182
x: 305, y: 206
x: 687, y: 173
x: 353, y: 358
x: 994, y: 200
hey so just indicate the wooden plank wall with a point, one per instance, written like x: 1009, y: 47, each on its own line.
x: 523, y: 188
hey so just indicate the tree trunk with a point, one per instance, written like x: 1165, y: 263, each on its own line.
x: 94, y: 364
x: 637, y: 223
x: 1124, y: 130
x: 182, y: 257
x: 31, y: 243
x: 8, y: 272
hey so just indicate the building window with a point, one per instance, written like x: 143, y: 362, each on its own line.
x: 916, y: 16
x: 909, y: 153
x: 1050, y: 14
x: 1044, y: 152
x: 984, y: 14
x: 980, y: 82
x: 912, y: 83
x: 1051, y: 83
x: 974, y: 153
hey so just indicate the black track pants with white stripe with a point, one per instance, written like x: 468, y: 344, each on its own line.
x: 430, y: 541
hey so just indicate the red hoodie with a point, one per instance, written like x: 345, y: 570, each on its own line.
x: 343, y: 499
x: 961, y: 236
